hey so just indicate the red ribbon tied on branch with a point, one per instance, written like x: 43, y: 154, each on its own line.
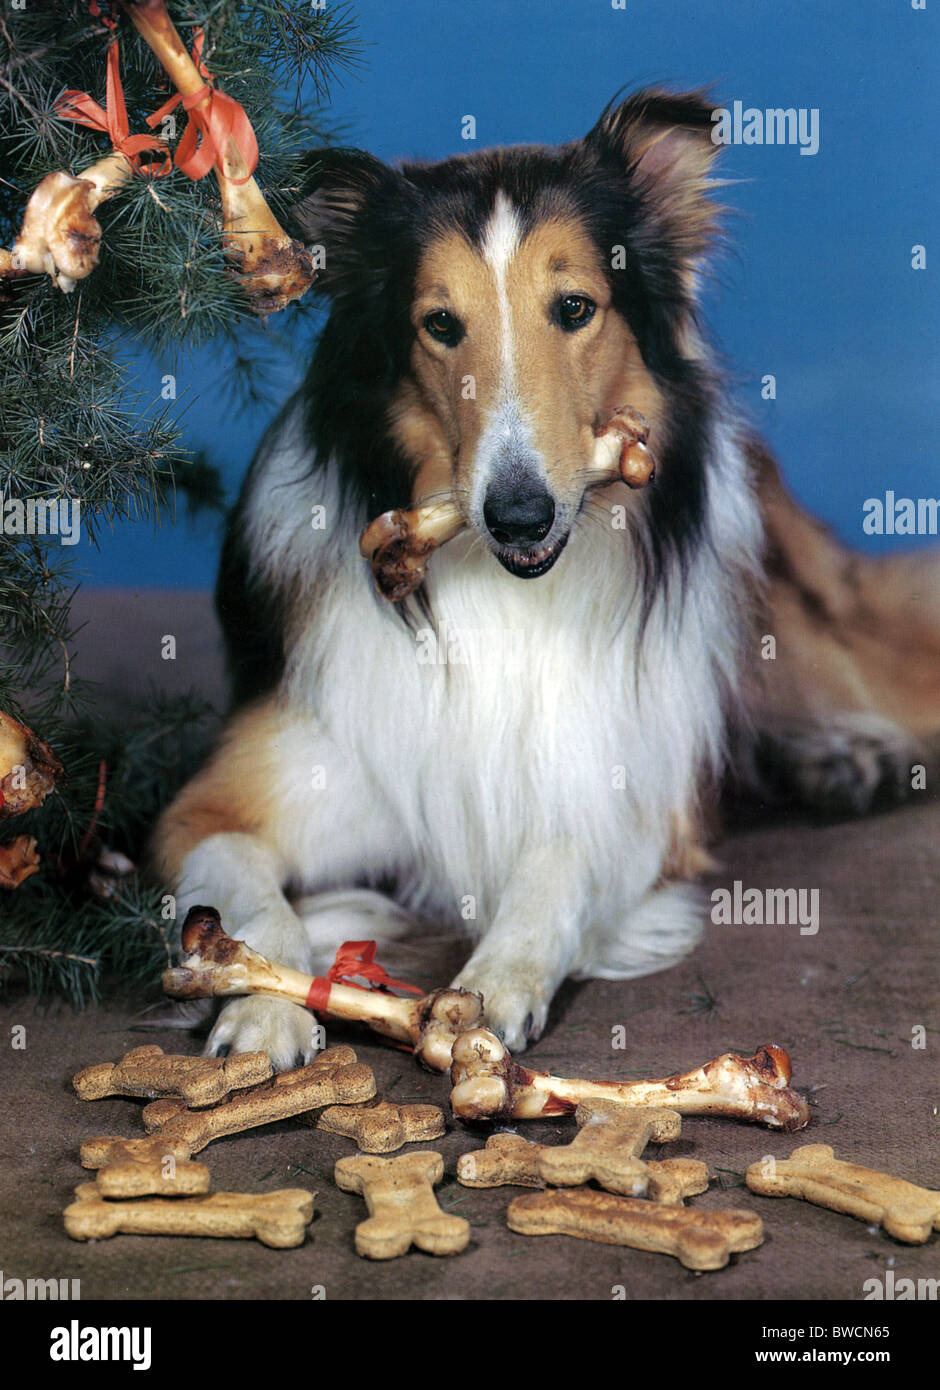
x: 353, y: 958
x: 222, y: 119
x: 79, y: 106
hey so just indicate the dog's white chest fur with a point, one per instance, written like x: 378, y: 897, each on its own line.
x: 525, y: 715
x: 515, y: 764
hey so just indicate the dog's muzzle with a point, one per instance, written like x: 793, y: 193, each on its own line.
x: 519, y: 513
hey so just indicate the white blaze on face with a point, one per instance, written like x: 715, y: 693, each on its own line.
x: 507, y: 430
x: 500, y: 243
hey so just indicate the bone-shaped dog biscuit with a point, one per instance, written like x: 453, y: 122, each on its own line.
x: 671, y: 1180
x: 607, y: 1150
x: 611, y: 1136
x: 698, y: 1239
x: 489, y: 1085
x: 380, y: 1129
x: 403, y: 1209
x: 150, y: 1072
x: 156, y: 1166
x: 334, y: 1077
x: 107, y: 1149
x: 159, y: 1178
x: 813, y: 1173
x: 275, y: 1218
x: 509, y: 1160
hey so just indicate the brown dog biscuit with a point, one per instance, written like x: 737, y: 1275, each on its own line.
x: 332, y: 1078
x: 698, y: 1239
x: 508, y: 1160
x: 607, y: 1150
x: 671, y: 1180
x: 813, y: 1173
x: 611, y: 1136
x: 278, y: 1218
x: 106, y: 1149
x: 150, y: 1072
x: 143, y: 1167
x: 403, y: 1209
x: 176, y: 1179
x: 382, y: 1128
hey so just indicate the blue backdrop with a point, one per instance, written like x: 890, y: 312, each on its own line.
x: 819, y: 290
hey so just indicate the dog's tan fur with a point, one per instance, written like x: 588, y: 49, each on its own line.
x: 570, y: 382
x: 853, y: 634
x: 231, y: 793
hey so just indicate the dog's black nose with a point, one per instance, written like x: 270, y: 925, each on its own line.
x: 516, y: 513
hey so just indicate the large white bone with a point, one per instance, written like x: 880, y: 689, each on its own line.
x: 60, y: 236
x: 215, y: 964
x: 489, y: 1085
x: 399, y: 544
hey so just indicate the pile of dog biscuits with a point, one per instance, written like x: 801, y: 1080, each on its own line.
x: 597, y: 1187
x: 151, y: 1186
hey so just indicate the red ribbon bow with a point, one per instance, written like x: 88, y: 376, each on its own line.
x: 222, y: 120
x: 353, y: 958
x: 79, y: 106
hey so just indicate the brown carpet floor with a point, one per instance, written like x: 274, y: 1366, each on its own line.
x: 845, y: 1003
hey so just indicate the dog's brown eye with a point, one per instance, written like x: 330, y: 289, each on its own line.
x: 444, y: 327
x: 574, y: 311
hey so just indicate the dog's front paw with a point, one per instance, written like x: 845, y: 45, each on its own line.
x: 289, y: 1034
x: 512, y: 1007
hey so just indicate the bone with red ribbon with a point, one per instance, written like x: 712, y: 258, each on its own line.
x: 213, y: 964
x: 60, y: 235
x: 272, y: 267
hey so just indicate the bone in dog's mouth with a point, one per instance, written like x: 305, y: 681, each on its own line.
x: 398, y: 544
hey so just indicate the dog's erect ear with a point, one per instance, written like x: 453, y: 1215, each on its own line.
x: 339, y: 211
x: 663, y: 142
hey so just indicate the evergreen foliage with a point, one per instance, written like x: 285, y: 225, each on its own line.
x: 74, y: 426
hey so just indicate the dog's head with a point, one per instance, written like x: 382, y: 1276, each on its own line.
x: 502, y: 305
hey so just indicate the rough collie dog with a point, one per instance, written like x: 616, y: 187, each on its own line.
x: 524, y: 747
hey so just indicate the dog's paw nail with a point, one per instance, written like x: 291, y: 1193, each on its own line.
x: 284, y: 1031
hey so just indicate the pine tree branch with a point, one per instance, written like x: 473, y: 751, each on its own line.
x: 75, y: 428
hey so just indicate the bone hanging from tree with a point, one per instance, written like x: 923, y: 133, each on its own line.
x: 272, y: 267
x: 60, y: 235
x: 28, y: 768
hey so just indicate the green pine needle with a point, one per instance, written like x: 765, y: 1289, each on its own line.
x: 75, y: 425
